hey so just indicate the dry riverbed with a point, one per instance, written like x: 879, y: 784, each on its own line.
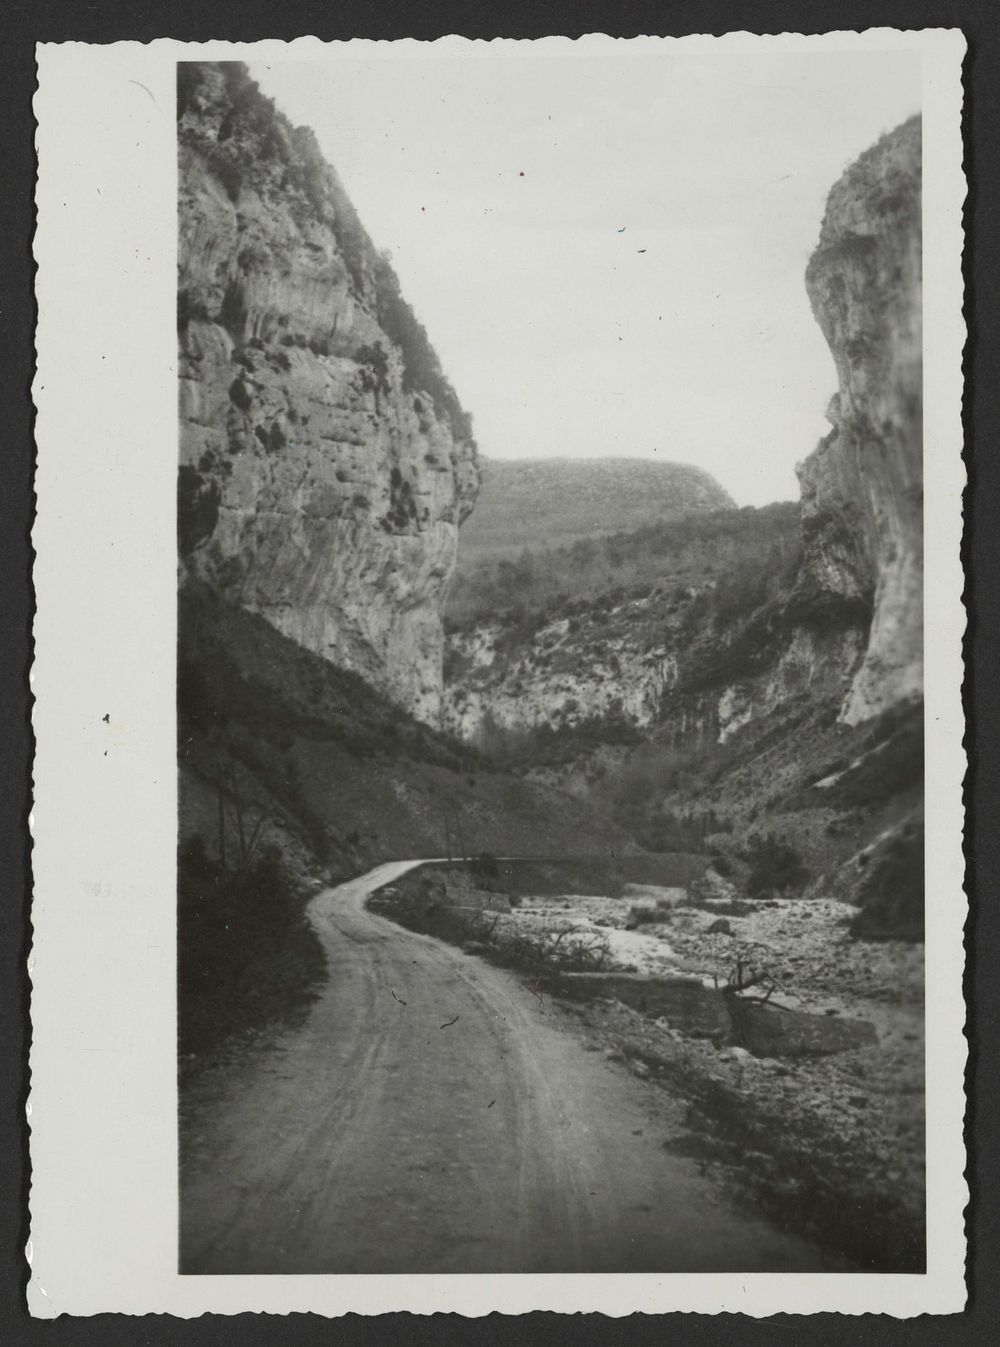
x: 831, y: 1147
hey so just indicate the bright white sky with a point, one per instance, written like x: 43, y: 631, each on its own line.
x: 608, y: 252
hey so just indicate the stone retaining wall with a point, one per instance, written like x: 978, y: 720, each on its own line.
x: 686, y: 1005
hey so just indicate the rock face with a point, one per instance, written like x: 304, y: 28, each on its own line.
x: 551, y: 680
x: 698, y: 657
x: 700, y: 647
x: 862, y: 489
x: 326, y: 462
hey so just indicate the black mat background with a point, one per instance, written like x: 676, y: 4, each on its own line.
x: 25, y: 22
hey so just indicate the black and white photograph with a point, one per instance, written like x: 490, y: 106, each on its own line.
x: 549, y: 671
x: 538, y: 880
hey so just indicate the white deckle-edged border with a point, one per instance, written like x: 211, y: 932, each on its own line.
x: 103, y: 1099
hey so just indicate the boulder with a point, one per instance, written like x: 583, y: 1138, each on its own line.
x: 720, y: 927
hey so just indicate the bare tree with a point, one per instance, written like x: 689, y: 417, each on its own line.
x: 228, y: 785
x: 743, y: 976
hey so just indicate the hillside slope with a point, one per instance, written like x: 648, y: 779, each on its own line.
x: 550, y: 502
x: 335, y: 774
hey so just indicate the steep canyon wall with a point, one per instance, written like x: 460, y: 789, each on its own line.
x: 862, y: 488
x: 326, y: 462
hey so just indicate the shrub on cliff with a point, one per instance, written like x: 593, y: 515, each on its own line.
x: 422, y: 370
x: 198, y: 501
x: 240, y: 395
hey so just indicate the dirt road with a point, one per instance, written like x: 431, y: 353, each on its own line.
x: 432, y: 1116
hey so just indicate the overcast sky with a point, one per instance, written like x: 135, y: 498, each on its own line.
x: 608, y: 252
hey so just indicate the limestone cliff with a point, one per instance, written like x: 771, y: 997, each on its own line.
x: 326, y: 462
x: 862, y: 489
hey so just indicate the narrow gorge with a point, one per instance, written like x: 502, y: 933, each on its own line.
x: 623, y: 645
x: 666, y: 751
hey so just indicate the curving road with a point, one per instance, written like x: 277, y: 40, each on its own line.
x: 432, y: 1116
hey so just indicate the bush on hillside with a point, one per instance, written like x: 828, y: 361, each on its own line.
x: 774, y: 866
x: 485, y: 866
x: 247, y: 955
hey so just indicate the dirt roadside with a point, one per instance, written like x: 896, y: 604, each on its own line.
x: 433, y: 1115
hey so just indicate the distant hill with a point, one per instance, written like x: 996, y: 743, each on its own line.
x: 544, y: 503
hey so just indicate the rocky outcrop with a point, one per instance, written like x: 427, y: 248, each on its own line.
x: 326, y: 462
x: 862, y: 489
x: 699, y: 649
x: 551, y: 679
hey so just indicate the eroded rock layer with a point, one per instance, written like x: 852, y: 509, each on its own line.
x: 326, y: 462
